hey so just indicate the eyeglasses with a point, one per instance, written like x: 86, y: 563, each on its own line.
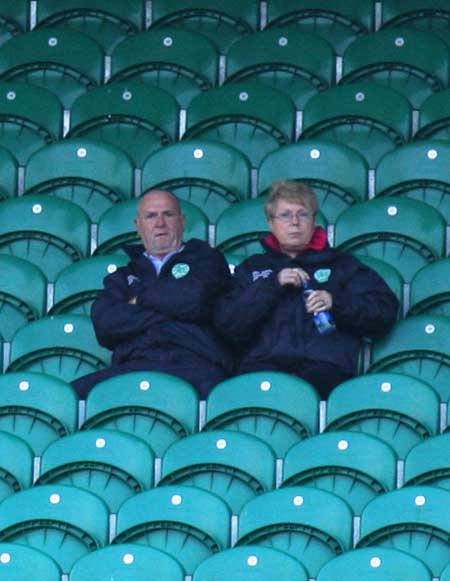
x: 299, y: 216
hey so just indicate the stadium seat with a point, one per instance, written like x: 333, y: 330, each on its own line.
x: 127, y: 562
x: 426, y: 463
x: 417, y: 346
x: 234, y: 466
x: 23, y: 294
x: 250, y: 563
x: 211, y: 175
x: 445, y: 575
x: 389, y: 274
x: 157, y: 407
x: 338, y: 22
x: 65, y: 62
x: 249, y: 116
x: 49, y: 232
x: 280, y: 409
x: 14, y: 18
x: 407, y: 234
x: 370, y: 118
x: 16, y: 466
x: 414, y: 519
x: 30, y: 118
x: 64, y: 346
x: 418, y: 171
x: 376, y: 564
x: 63, y: 521
x: 434, y: 119
x: 109, y: 463
x: 188, y: 523
x: 77, y: 285
x: 299, y: 64
x: 222, y: 21
x: 429, y: 292
x: 37, y: 408
x: 89, y: 173
x: 107, y: 21
x: 8, y: 169
x: 183, y: 63
x: 356, y: 467
x: 398, y: 409
x: 337, y: 173
x: 129, y: 115
x: 18, y: 562
x: 414, y: 62
x: 309, y: 524
x: 116, y: 226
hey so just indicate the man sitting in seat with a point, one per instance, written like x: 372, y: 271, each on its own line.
x: 155, y: 313
x: 303, y: 307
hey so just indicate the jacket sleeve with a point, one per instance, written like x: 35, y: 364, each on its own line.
x: 114, y: 319
x: 365, y: 306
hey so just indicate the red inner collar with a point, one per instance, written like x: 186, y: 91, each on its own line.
x: 318, y: 241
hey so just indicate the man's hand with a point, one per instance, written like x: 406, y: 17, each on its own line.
x: 294, y: 276
x: 318, y: 301
x: 132, y: 301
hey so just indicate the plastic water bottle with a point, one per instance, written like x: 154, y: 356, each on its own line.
x: 324, y: 320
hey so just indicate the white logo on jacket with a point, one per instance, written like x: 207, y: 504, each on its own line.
x: 261, y: 274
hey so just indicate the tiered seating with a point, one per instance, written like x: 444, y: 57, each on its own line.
x: 8, y: 168
x: 14, y: 18
x: 17, y: 562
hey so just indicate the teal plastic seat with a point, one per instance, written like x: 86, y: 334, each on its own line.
x: 278, y: 408
x: 65, y: 62
x: 64, y: 346
x: 399, y: 409
x: 188, y: 523
x: 337, y: 173
x: 388, y: 273
x: 157, y: 407
x: 129, y: 115
x: 426, y: 463
x: 8, y: 168
x: 14, y: 18
x: 116, y: 226
x: 51, y: 233
x: 92, y: 174
x: 434, y: 117
x: 309, y: 524
x: 249, y: 116
x: 429, y: 292
x: 208, y: 174
x: 370, y: 118
x: 299, y: 64
x: 18, y: 562
x: 16, y: 466
x: 417, y: 346
x: 407, y: 234
x: 234, y: 466
x: 181, y: 62
x: 414, y: 519
x: 64, y: 522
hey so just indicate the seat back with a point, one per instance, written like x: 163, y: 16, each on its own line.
x: 8, y: 167
x: 16, y: 465
x: 18, y: 562
x: 429, y: 289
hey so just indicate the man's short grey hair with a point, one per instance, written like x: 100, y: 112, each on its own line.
x: 291, y: 191
x: 156, y: 191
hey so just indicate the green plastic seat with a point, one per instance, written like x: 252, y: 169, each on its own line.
x: 337, y: 173
x: 414, y: 62
x: 188, y: 523
x: 434, y: 117
x: 65, y: 62
x: 399, y: 409
x: 388, y: 273
x: 336, y: 21
x: 77, y: 286
x: 309, y: 524
x: 370, y: 118
x: 18, y: 562
x: 116, y: 226
x: 250, y: 563
x: 14, y: 18
x: 407, y: 234
x: 64, y: 346
x: 208, y: 174
x: 234, y: 466
x: 109, y: 463
x: 278, y: 408
x: 181, y: 62
x: 8, y: 169
x: 51, y: 233
x: 127, y: 562
x: 296, y: 63
x: 249, y: 116
x: 107, y: 21
x: 30, y: 118
x: 222, y: 21
x: 414, y: 519
x: 418, y: 171
x: 426, y: 463
x: 157, y: 407
x: 23, y: 294
x: 429, y: 292
x: 16, y: 466
x: 417, y: 346
x: 376, y: 564
x: 129, y: 115
x: 356, y: 467
x: 64, y: 522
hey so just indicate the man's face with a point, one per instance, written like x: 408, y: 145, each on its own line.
x: 293, y: 225
x: 160, y: 224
